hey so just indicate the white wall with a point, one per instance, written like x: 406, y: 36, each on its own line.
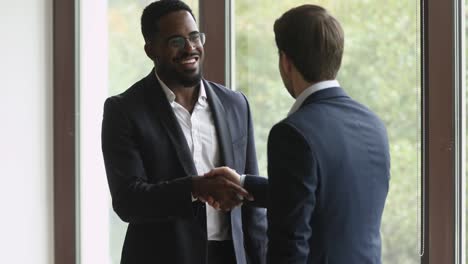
x: 26, y: 216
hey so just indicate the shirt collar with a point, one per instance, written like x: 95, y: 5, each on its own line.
x: 310, y: 90
x: 202, y: 98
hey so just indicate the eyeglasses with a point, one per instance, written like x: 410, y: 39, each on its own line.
x: 195, y: 39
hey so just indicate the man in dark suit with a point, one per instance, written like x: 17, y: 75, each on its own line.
x: 165, y: 130
x: 328, y: 161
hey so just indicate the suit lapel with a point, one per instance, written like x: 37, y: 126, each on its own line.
x: 221, y: 124
x: 221, y: 120
x: 158, y: 102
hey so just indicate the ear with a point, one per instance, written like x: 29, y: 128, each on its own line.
x: 150, y: 51
x: 286, y: 63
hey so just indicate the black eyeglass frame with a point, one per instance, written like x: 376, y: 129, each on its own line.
x: 196, y: 39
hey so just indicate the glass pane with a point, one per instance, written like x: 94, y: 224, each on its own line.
x: 381, y: 69
x: 111, y: 59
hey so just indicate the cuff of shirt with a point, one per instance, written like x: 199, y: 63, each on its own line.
x: 242, y: 179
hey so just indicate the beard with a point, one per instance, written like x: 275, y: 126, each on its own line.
x: 190, y: 80
x: 185, y: 78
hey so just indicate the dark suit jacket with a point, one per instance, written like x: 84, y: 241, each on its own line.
x: 149, y: 165
x: 328, y: 168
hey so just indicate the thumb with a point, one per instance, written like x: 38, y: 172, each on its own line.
x: 216, y: 171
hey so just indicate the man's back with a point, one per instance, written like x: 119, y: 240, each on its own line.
x: 331, y: 159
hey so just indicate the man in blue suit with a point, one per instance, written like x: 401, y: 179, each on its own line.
x: 328, y: 161
x: 161, y: 133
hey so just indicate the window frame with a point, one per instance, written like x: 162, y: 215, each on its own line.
x: 64, y: 130
x: 443, y: 153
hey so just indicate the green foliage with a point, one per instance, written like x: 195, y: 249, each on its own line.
x: 127, y: 59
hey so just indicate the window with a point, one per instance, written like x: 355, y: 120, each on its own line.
x: 381, y: 69
x: 389, y: 19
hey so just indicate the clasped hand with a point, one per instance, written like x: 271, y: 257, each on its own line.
x: 220, y: 188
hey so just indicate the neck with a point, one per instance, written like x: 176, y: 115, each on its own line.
x: 299, y: 84
x: 186, y: 96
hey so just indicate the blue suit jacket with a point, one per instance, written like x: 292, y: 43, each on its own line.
x: 149, y: 166
x: 328, y: 168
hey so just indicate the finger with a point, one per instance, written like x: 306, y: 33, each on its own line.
x: 250, y: 198
x: 234, y: 200
x: 218, y: 171
x: 229, y: 205
x: 230, y: 175
x: 226, y: 209
x: 239, y: 190
x: 210, y: 200
x: 210, y: 173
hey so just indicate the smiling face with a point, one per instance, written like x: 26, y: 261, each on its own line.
x: 177, y: 64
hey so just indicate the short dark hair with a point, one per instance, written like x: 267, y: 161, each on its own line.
x: 313, y: 40
x: 154, y: 11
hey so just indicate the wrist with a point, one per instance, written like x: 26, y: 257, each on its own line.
x: 195, y: 187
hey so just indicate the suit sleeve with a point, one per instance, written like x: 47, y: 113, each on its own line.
x: 253, y: 218
x: 133, y: 198
x: 257, y: 186
x: 292, y: 171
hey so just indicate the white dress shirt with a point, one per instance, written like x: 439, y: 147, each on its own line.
x: 310, y: 90
x: 200, y: 132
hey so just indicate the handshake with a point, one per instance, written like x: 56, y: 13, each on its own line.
x: 220, y: 188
